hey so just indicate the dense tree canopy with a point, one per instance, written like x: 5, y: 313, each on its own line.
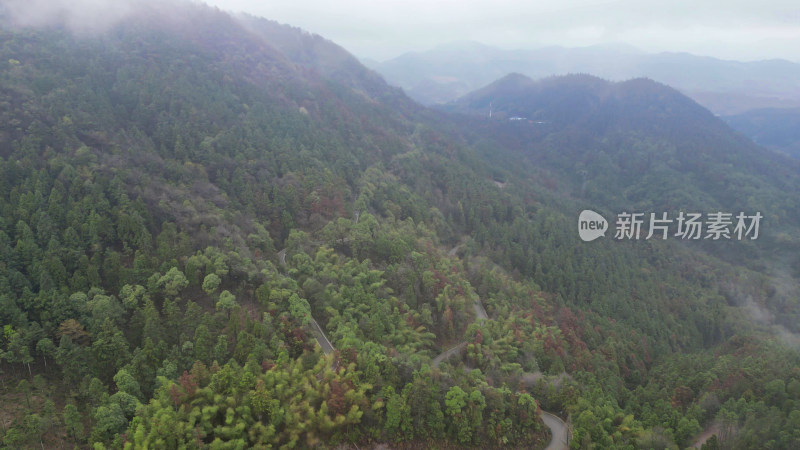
x: 184, y: 196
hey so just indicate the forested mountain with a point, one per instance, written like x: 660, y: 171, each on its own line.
x: 775, y: 128
x: 449, y: 71
x: 187, y: 194
x: 634, y: 143
x: 642, y: 146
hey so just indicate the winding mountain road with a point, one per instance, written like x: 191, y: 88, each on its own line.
x: 454, y: 250
x: 282, y: 257
x: 560, y: 439
x: 480, y: 313
x: 447, y: 354
x: 558, y: 429
x: 322, y: 340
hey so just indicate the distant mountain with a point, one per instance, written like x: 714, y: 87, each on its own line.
x: 775, y: 128
x: 632, y: 144
x: 726, y: 87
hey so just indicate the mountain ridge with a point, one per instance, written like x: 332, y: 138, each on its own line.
x: 724, y: 86
x: 584, y: 114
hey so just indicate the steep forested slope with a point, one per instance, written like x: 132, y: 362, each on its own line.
x: 182, y: 193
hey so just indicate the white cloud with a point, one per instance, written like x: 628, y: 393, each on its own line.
x: 79, y: 15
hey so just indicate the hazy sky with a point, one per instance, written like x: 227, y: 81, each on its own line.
x: 733, y: 29
x: 382, y: 29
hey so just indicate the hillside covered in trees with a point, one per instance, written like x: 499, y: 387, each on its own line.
x: 187, y: 192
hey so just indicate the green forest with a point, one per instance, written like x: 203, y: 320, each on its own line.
x: 188, y: 198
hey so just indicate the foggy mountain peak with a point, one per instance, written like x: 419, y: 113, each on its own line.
x: 82, y: 16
